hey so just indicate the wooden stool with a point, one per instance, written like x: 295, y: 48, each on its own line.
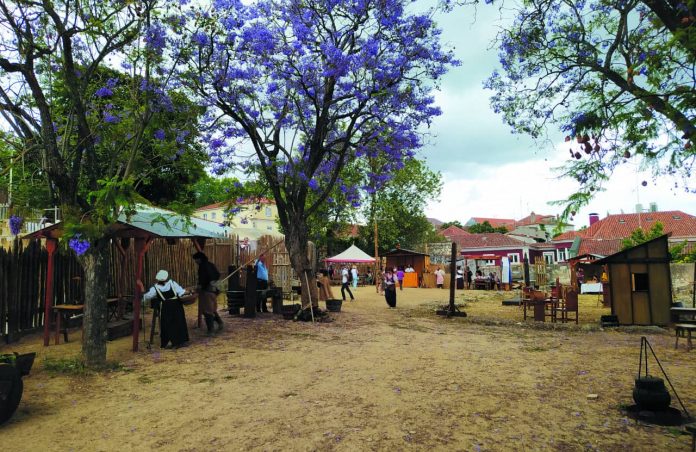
x: 684, y: 328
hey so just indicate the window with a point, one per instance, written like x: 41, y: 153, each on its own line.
x: 213, y: 215
x: 514, y: 258
x: 205, y: 216
x: 270, y: 228
x: 561, y: 255
x: 548, y: 257
x: 640, y: 282
x: 268, y: 212
x: 490, y: 262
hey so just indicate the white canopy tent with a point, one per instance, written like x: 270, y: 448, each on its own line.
x: 352, y: 255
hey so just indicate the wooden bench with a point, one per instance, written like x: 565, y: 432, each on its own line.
x: 681, y: 328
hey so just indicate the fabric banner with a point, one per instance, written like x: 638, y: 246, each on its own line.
x: 506, y: 276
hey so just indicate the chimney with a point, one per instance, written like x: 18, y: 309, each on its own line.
x: 653, y: 207
x: 594, y: 217
x: 639, y: 208
x: 532, y: 218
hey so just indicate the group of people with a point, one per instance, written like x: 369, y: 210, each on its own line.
x: 387, y: 283
x: 165, y: 298
x: 465, y: 278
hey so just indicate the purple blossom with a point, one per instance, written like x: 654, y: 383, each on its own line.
x: 155, y: 38
x: 15, y: 224
x: 111, y: 119
x: 159, y: 134
x: 104, y: 92
x: 78, y: 245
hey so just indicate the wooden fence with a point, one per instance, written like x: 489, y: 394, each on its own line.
x: 23, y: 273
x: 23, y: 276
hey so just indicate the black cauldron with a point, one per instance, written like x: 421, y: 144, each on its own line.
x: 651, y: 394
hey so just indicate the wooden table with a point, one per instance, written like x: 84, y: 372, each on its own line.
x: 677, y: 313
x: 63, y: 312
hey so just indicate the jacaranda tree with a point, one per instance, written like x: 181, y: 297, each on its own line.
x: 80, y: 84
x: 309, y: 85
x: 617, y: 76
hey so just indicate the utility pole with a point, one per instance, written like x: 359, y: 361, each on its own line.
x: 374, y: 218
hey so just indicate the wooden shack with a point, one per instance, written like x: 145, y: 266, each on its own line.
x: 402, y: 258
x: 640, y: 283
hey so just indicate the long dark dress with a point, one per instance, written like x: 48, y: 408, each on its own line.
x: 172, y: 320
x: 390, y: 291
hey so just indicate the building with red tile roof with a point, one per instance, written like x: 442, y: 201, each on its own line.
x: 453, y: 231
x: 509, y: 223
x: 493, y: 246
x: 603, y: 237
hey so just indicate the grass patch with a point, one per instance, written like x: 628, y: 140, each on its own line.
x: 301, y: 334
x: 66, y: 366
x: 536, y: 348
x: 411, y: 327
x: 76, y: 366
x: 144, y: 379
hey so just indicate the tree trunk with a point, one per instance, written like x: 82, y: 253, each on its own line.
x: 95, y: 263
x: 297, y: 246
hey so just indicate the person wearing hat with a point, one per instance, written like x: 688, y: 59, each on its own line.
x: 166, y: 292
x: 207, y: 294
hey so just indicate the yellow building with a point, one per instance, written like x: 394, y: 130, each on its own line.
x: 261, y: 217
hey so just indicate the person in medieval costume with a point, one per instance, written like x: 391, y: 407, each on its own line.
x: 389, y: 284
x: 324, y: 285
x: 207, y: 293
x: 164, y: 296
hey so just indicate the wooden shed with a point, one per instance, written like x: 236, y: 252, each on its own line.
x: 640, y: 283
x: 401, y: 258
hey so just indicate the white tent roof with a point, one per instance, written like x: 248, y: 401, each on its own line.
x: 352, y: 254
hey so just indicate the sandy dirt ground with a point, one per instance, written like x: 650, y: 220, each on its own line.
x: 372, y: 379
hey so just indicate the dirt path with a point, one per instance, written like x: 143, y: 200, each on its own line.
x: 373, y: 379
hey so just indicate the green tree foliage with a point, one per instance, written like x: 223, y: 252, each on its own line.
x: 616, y: 76
x: 210, y: 190
x: 447, y: 224
x: 640, y: 235
x: 480, y: 228
x: 399, y: 209
x: 82, y: 88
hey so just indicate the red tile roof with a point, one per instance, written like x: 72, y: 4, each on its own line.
x: 680, y: 224
x: 569, y: 235
x: 533, y: 218
x: 495, y: 222
x: 487, y: 240
x: 453, y: 230
x: 600, y: 247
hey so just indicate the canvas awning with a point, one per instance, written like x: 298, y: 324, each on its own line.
x: 352, y: 254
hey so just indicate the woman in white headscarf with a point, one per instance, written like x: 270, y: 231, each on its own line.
x: 165, y: 293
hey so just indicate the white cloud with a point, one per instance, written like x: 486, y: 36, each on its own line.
x: 514, y: 190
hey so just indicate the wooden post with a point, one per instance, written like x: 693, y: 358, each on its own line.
x: 377, y: 266
x: 51, y: 246
x: 453, y: 270
x: 141, y: 245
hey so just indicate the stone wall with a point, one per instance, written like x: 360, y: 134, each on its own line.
x: 682, y: 282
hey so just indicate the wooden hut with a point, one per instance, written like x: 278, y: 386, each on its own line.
x: 401, y: 258
x: 640, y: 283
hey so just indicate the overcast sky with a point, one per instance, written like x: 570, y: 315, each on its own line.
x: 489, y: 172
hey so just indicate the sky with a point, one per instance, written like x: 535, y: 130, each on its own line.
x: 488, y: 171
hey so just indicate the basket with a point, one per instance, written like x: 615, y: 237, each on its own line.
x: 334, y: 305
